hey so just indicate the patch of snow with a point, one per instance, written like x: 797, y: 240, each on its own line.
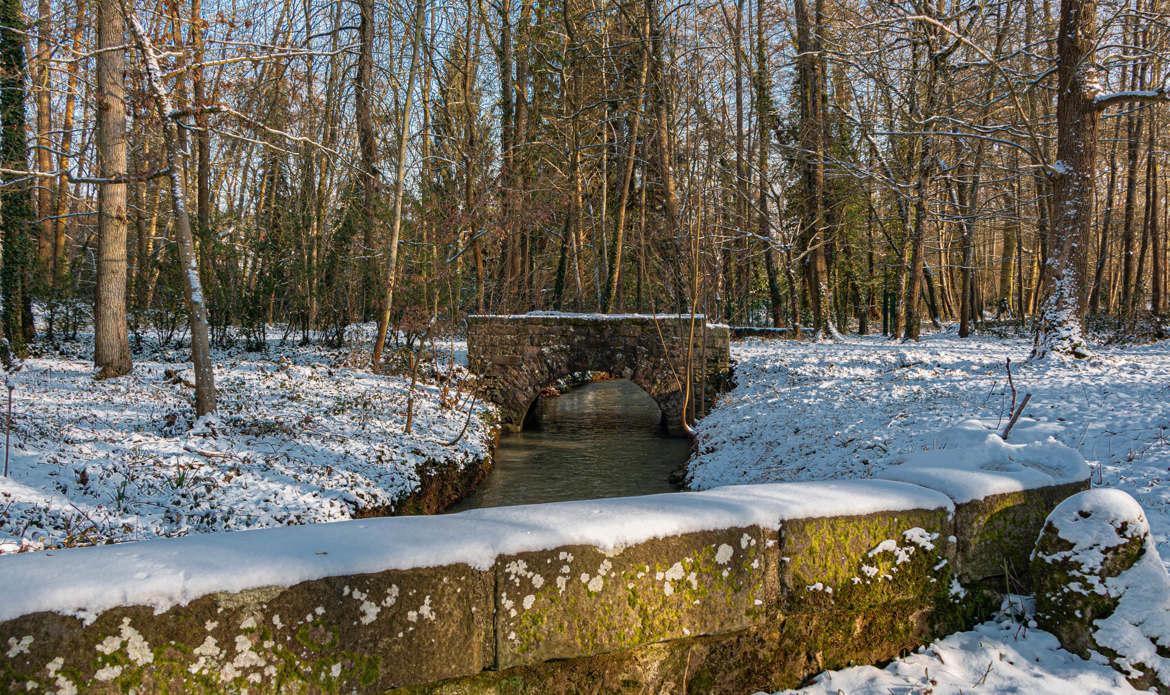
x: 857, y: 408
x: 992, y: 659
x: 304, y: 434
x: 972, y: 461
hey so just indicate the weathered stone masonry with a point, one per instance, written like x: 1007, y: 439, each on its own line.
x: 517, y: 356
x: 754, y: 606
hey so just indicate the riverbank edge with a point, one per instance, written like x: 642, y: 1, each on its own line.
x: 442, y: 483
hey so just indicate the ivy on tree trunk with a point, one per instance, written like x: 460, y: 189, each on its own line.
x: 16, y: 200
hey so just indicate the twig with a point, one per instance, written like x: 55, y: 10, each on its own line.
x: 986, y: 673
x: 1012, y: 384
x: 208, y: 454
x: 8, y: 429
x: 466, y: 423
x: 1015, y: 416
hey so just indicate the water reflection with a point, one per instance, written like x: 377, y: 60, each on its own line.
x: 600, y: 440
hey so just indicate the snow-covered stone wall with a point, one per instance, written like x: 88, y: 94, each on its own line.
x: 729, y: 590
x: 518, y: 355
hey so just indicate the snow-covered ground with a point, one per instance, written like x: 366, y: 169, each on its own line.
x: 307, y: 435
x: 804, y: 411
x: 814, y: 411
x: 303, y: 435
x: 997, y: 657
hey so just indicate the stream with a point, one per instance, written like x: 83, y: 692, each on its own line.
x: 599, y: 440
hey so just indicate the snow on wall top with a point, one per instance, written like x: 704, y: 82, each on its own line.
x: 972, y: 461
x: 165, y: 573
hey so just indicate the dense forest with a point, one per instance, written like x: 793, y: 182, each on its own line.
x: 213, y: 170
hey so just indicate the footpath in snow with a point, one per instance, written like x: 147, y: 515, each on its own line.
x: 303, y: 435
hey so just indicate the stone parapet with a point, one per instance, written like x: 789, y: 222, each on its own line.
x: 742, y: 588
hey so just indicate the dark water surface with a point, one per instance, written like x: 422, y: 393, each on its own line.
x: 600, y: 440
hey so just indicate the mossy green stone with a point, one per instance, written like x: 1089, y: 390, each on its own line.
x: 360, y: 633
x: 580, y: 601
x: 838, y: 562
x: 996, y: 535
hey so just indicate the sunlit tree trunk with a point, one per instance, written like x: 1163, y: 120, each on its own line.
x: 44, y: 149
x: 61, y: 200
x: 177, y: 157
x: 612, y: 296
x: 111, y: 353
x: 399, y: 188
x: 1073, y: 182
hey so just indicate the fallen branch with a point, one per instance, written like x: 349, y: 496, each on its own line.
x: 208, y: 454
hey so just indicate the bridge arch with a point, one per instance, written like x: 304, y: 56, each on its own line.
x: 519, y: 355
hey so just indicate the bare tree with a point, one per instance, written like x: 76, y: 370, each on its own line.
x: 177, y: 156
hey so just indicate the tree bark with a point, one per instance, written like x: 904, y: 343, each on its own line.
x: 612, y: 295
x: 812, y: 83
x: 1155, y: 236
x: 111, y: 353
x: 61, y: 202
x: 368, y: 147
x: 1060, y: 328
x: 44, y: 148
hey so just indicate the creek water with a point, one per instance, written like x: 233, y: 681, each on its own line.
x: 599, y: 440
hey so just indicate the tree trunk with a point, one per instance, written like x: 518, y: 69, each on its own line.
x: 764, y: 120
x: 175, y: 143
x: 61, y: 203
x: 1133, y: 129
x: 399, y: 188
x: 1103, y: 242
x: 44, y: 148
x: 662, y: 118
x: 1156, y: 289
x: 111, y: 354
x: 203, y: 132
x: 612, y: 295
x: 368, y: 147
x: 1073, y: 180
x: 809, y: 62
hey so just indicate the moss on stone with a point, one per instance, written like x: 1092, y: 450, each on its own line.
x: 361, y: 633
x: 671, y: 588
x: 996, y: 535
x: 835, y: 562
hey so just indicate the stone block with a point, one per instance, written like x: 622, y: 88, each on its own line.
x: 361, y: 634
x: 830, y: 563
x: 782, y: 653
x: 579, y: 601
x: 996, y: 534
x: 1102, y: 588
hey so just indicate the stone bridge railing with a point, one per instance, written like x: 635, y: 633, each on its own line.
x: 518, y: 355
x: 731, y: 590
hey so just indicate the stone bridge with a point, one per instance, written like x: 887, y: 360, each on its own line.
x: 519, y: 355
